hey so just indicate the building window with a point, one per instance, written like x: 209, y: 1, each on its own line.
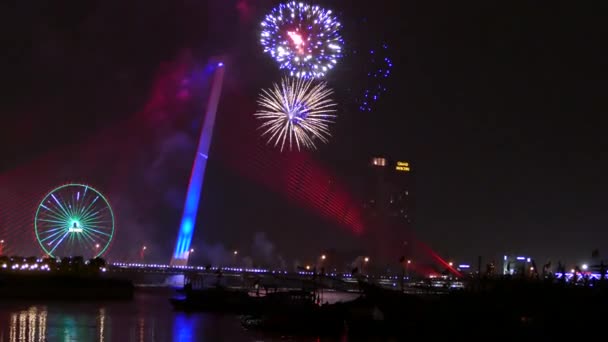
x: 379, y: 161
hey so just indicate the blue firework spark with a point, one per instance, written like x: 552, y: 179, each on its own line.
x: 381, y: 65
x: 303, y: 39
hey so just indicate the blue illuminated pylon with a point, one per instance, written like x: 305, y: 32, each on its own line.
x: 186, y: 228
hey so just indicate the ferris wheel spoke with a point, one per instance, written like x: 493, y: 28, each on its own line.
x: 57, y: 236
x: 84, y: 208
x: 87, y: 210
x: 96, y: 222
x: 60, y: 205
x: 72, y: 206
x: 77, y: 203
x: 52, y: 221
x: 51, y: 229
x: 101, y: 227
x: 74, y: 244
x: 55, y: 233
x: 96, y: 235
x: 81, y: 200
x: 68, y: 207
x: 69, y: 243
x: 91, y: 216
x: 45, y: 207
x: 58, y: 243
x: 90, y: 237
x: 79, y: 237
x: 96, y: 239
x: 56, y: 214
x: 98, y: 231
x: 96, y: 243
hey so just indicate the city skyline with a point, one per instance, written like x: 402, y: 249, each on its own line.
x: 502, y: 121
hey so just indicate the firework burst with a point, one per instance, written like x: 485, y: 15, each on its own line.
x: 303, y: 39
x: 380, y: 71
x: 296, y: 111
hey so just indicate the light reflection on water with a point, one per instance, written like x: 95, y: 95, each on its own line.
x: 26, y: 325
x: 149, y: 317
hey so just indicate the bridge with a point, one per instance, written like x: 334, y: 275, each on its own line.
x: 168, y: 275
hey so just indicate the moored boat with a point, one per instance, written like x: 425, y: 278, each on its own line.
x: 214, y: 299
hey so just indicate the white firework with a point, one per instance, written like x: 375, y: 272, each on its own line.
x: 296, y: 110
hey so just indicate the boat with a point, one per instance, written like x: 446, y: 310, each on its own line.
x: 213, y: 299
x: 296, y: 312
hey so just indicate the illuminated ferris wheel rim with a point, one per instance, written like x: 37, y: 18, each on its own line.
x: 77, y: 227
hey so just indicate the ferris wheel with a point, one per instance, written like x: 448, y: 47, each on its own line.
x: 74, y: 220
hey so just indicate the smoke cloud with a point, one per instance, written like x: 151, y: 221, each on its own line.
x: 263, y: 249
x: 263, y: 254
x: 216, y: 255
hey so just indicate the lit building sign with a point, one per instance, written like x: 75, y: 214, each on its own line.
x: 403, y: 166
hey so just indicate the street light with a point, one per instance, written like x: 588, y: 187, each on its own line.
x: 406, y: 272
x: 323, y: 257
x: 451, y: 264
x: 364, y: 263
x: 585, y: 267
x: 235, y: 261
x: 143, y: 254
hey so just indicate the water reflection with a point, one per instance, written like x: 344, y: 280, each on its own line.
x: 141, y: 329
x: 28, y: 325
x: 182, y: 328
x: 101, y: 321
x: 21, y: 325
x: 33, y: 325
x: 42, y: 325
x: 147, y: 318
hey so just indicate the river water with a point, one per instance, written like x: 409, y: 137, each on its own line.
x: 148, y: 317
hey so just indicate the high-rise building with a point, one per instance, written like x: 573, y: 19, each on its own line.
x: 388, y: 209
x: 516, y: 265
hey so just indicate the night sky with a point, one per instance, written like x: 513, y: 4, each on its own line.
x: 499, y: 106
